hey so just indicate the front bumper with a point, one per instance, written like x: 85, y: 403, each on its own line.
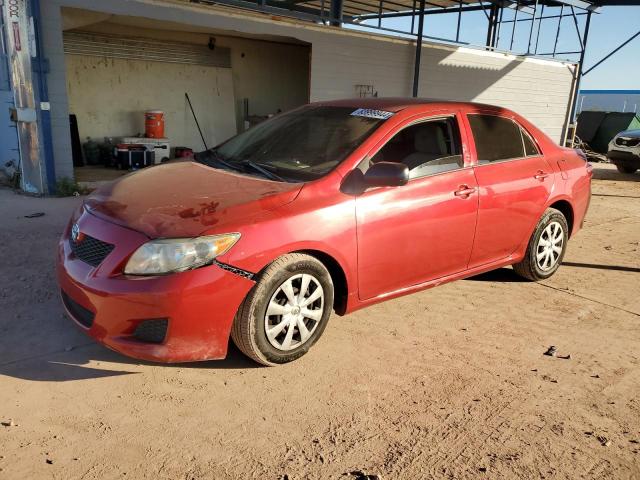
x: 627, y: 158
x: 200, y: 304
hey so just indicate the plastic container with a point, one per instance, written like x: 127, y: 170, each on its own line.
x: 134, y: 157
x: 154, y: 124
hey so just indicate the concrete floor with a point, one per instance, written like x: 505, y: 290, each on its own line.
x: 93, y: 173
x: 446, y: 383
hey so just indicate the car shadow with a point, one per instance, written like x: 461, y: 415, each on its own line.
x: 600, y: 173
x: 614, y: 196
x: 83, y: 362
x: 503, y: 275
x: 598, y: 266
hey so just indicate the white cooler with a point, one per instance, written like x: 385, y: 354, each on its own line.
x: 160, y: 146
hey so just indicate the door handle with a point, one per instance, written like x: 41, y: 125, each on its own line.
x: 464, y: 191
x: 541, y: 175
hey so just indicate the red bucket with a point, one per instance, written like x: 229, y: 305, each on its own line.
x: 154, y: 124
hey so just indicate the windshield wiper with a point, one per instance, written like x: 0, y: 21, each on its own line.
x: 217, y: 158
x: 241, y: 166
x: 264, y: 171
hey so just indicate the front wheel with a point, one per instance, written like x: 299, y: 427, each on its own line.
x: 546, y: 247
x: 626, y: 169
x: 286, y: 311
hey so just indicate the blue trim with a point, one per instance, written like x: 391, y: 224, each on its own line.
x: 610, y: 92
x: 43, y: 96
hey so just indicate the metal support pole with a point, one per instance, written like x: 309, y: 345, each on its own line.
x: 533, y: 24
x: 484, y: 10
x: 515, y: 21
x: 491, y: 29
x: 611, y: 53
x: 336, y: 13
x: 535, y: 51
x: 459, y: 20
x: 416, y: 71
x: 575, y: 22
x: 499, y: 27
x: 555, y: 45
x: 585, y: 36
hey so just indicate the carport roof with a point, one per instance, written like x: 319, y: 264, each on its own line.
x: 373, y: 8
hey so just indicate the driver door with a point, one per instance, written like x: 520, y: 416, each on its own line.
x: 423, y: 230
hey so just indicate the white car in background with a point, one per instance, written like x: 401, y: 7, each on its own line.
x: 624, y: 151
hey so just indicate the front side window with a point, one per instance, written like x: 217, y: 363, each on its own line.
x: 426, y: 148
x: 496, y: 138
x: 299, y: 146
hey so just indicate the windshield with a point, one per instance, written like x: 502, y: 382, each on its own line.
x: 299, y: 146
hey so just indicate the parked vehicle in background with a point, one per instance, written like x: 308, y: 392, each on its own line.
x: 624, y: 151
x: 333, y: 206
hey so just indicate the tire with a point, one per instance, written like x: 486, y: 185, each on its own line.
x: 249, y: 331
x: 545, y: 241
x: 626, y: 169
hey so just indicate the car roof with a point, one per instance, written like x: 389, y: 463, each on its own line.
x: 396, y: 104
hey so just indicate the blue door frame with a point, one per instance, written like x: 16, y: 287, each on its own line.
x: 40, y: 67
x: 9, y: 137
x: 9, y: 147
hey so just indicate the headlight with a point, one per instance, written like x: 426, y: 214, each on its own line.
x: 178, y: 254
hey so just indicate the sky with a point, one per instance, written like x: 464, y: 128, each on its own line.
x: 608, y: 29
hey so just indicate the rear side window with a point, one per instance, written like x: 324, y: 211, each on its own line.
x: 530, y: 148
x: 496, y: 138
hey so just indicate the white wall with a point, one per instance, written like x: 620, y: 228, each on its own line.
x: 273, y: 76
x: 537, y: 89
x: 109, y: 97
x: 342, y: 58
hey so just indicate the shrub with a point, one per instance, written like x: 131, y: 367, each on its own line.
x: 65, y: 187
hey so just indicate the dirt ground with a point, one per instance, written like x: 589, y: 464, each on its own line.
x: 447, y: 383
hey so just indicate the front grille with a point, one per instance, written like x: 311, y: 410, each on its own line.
x: 152, y: 331
x: 91, y: 250
x: 78, y: 312
x: 627, y: 142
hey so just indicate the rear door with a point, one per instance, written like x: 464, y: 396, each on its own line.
x: 423, y: 230
x: 515, y: 181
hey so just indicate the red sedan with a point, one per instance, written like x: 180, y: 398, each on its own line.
x: 333, y: 206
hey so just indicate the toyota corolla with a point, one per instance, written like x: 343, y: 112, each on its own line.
x: 331, y: 207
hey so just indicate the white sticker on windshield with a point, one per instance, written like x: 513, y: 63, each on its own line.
x: 367, y: 112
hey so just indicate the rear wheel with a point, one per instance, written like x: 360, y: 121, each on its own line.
x: 286, y: 311
x: 546, y: 247
x: 626, y: 169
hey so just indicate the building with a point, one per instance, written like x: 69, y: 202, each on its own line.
x: 108, y: 62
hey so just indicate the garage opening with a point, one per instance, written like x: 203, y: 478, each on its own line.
x: 208, y: 86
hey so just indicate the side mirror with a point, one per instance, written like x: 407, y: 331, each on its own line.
x: 382, y: 174
x: 386, y: 174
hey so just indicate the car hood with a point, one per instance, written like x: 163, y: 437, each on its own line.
x: 629, y: 134
x: 185, y: 199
